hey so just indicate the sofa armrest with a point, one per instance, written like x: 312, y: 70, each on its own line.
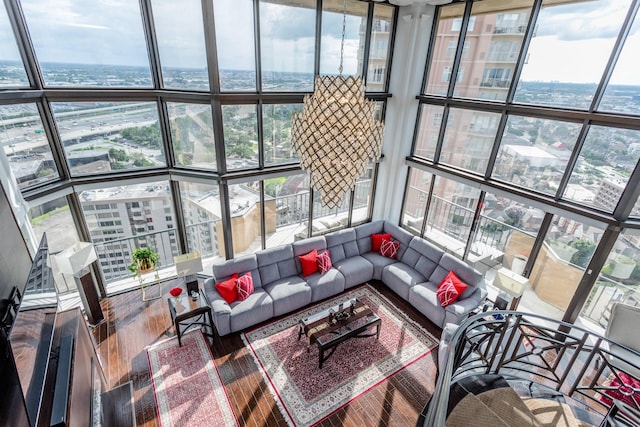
x: 220, y: 309
x: 463, y: 307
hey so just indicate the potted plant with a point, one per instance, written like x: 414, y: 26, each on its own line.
x: 143, y: 260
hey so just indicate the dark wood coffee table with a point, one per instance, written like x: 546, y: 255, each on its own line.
x: 186, y: 312
x: 328, y: 333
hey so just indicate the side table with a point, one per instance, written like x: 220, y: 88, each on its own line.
x: 152, y: 285
x: 186, y: 312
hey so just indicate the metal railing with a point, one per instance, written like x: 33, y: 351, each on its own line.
x: 560, y: 359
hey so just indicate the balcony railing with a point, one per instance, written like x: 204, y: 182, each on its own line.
x: 519, y: 29
x: 499, y: 83
x: 551, y: 359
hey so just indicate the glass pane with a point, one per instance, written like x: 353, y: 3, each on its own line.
x: 101, y: 137
x: 235, y: 44
x: 192, y: 135
x: 415, y: 202
x: 25, y: 145
x: 203, y: 224
x: 246, y: 218
x: 534, y: 152
x: 451, y: 213
x: 606, y: 161
x: 12, y: 73
x: 444, y: 49
x: 325, y: 219
x: 180, y: 36
x: 618, y: 282
x: 468, y: 139
x: 276, y: 128
x: 54, y: 218
x: 623, y: 91
x: 240, y: 126
x: 428, y: 130
x: 89, y: 44
x: 564, y: 62
x: 362, y: 197
x: 354, y: 37
x: 560, y: 265
x: 288, y: 54
x: 505, y: 234
x: 379, y: 48
x: 286, y: 209
x: 495, y: 40
x: 126, y: 217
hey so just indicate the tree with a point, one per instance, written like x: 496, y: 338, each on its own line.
x: 585, y: 249
x: 118, y: 155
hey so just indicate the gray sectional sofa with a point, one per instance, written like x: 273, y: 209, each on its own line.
x: 279, y: 287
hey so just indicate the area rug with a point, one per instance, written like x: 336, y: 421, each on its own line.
x: 187, y: 384
x: 305, y: 394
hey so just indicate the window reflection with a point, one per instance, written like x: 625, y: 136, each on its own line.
x: 89, y: 44
x: 235, y: 46
x: 276, y: 128
x: 286, y: 206
x: 180, y: 36
x: 415, y: 203
x: 240, y: 124
x: 287, y: 56
x: 192, y: 135
x: 607, y: 159
x: 565, y: 62
x: 102, y: 137
x: 534, y: 152
x: 25, y: 145
x: 468, y: 139
x: 12, y: 73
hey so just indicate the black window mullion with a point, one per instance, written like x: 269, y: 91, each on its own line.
x: 25, y: 46
x: 573, y: 160
x: 152, y: 43
x: 459, y: 49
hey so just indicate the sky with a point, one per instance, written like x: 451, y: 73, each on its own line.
x: 576, y: 38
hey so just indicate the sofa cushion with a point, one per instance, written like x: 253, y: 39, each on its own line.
x: 400, y: 277
x: 309, y: 263
x: 305, y: 246
x: 356, y: 270
x: 323, y: 261
x: 228, y: 289
x: 379, y: 263
x: 450, y: 289
x: 288, y: 294
x: 342, y: 244
x: 244, y: 286
x: 377, y: 239
x: 389, y: 248
x: 424, y: 298
x: 276, y: 263
x: 364, y: 232
x: 423, y: 256
x: 241, y: 264
x: 325, y: 285
x: 399, y: 234
x: 257, y: 308
x: 464, y: 271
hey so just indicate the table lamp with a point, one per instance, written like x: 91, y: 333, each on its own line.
x: 187, y: 266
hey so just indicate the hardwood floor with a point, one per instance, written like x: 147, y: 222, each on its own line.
x: 132, y: 324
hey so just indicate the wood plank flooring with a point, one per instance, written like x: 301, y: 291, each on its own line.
x: 132, y: 324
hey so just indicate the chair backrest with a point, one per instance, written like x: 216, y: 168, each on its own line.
x: 622, y: 326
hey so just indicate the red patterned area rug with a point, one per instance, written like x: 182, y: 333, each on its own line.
x: 187, y: 385
x: 305, y: 394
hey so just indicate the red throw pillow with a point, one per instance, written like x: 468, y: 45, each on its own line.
x: 227, y: 289
x: 389, y: 248
x: 324, y: 262
x: 450, y: 289
x: 309, y: 263
x: 376, y: 241
x: 244, y: 286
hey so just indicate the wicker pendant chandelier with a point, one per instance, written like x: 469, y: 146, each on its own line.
x: 336, y: 133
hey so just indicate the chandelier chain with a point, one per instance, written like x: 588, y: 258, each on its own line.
x: 344, y: 28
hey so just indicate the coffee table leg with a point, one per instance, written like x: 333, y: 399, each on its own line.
x: 378, y: 330
x: 177, y: 326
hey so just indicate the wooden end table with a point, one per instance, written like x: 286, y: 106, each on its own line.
x: 186, y: 312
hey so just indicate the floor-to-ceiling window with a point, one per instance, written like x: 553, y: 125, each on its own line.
x: 525, y: 154
x: 168, y: 124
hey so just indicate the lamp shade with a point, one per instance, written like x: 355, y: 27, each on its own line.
x: 510, y: 282
x: 187, y: 264
x: 75, y: 258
